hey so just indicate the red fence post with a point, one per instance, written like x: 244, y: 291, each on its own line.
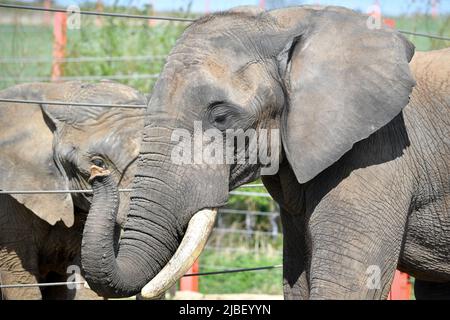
x: 389, y: 22
x: 401, y: 287
x: 190, y: 283
x: 59, y: 43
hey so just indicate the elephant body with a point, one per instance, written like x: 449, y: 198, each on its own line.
x: 384, y: 204
x: 33, y: 251
x: 51, y: 147
x: 362, y: 155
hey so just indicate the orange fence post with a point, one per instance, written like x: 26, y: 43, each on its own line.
x: 190, y: 283
x: 389, y: 23
x: 59, y: 43
x: 401, y: 287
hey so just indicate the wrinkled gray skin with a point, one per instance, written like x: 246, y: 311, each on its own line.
x: 47, y: 147
x: 361, y: 183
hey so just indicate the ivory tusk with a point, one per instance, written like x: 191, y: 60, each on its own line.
x: 194, y: 240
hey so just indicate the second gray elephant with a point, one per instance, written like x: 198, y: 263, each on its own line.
x: 363, y: 181
x: 51, y: 147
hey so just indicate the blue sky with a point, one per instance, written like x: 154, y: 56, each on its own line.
x: 388, y: 7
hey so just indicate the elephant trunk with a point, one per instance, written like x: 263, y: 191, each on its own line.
x: 162, y: 235
x: 142, y: 251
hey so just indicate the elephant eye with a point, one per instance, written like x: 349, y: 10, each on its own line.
x: 219, y: 115
x: 98, y: 162
x: 220, y: 120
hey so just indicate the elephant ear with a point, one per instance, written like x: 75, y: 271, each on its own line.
x: 344, y: 81
x: 26, y: 158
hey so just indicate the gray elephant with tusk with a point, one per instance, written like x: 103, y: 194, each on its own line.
x: 359, y: 143
x: 52, y: 147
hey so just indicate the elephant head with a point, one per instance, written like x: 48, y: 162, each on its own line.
x: 51, y: 147
x: 321, y: 76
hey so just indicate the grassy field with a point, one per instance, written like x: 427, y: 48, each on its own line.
x: 261, y: 282
x: 119, y: 37
x: 429, y: 25
x: 113, y: 39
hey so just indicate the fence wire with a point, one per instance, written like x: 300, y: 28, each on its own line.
x: 83, y: 78
x: 198, y: 274
x: 79, y: 104
x: 166, y: 18
x: 252, y: 213
x: 96, y: 13
x: 425, y: 35
x: 88, y: 191
x: 79, y: 59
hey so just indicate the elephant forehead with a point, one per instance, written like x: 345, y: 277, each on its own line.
x: 104, y: 138
x: 118, y: 140
x: 213, y: 76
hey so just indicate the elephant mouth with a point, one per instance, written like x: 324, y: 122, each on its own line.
x: 190, y: 248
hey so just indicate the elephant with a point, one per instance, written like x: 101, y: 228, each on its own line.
x: 361, y: 156
x: 51, y: 147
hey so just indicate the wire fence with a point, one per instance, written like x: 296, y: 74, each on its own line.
x: 83, y: 78
x: 88, y: 191
x: 197, y: 274
x: 79, y: 59
x: 164, y: 18
x: 70, y: 103
x: 126, y: 77
x: 29, y: 60
x: 96, y: 13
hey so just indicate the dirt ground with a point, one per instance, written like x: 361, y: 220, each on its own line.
x: 190, y: 295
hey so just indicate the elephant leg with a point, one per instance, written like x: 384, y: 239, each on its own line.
x: 56, y: 292
x: 427, y: 290
x: 356, y: 238
x: 295, y: 284
x: 18, y: 251
x: 82, y: 292
x: 68, y: 271
x: 12, y: 272
x: 67, y: 292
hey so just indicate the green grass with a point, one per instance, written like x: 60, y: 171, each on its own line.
x: 258, y: 282
x: 24, y: 41
x: 234, y: 251
x: 429, y: 25
x: 124, y: 37
x: 115, y: 37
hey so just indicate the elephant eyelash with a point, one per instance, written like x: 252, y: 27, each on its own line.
x: 98, y: 162
x: 220, y: 112
x: 106, y: 160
